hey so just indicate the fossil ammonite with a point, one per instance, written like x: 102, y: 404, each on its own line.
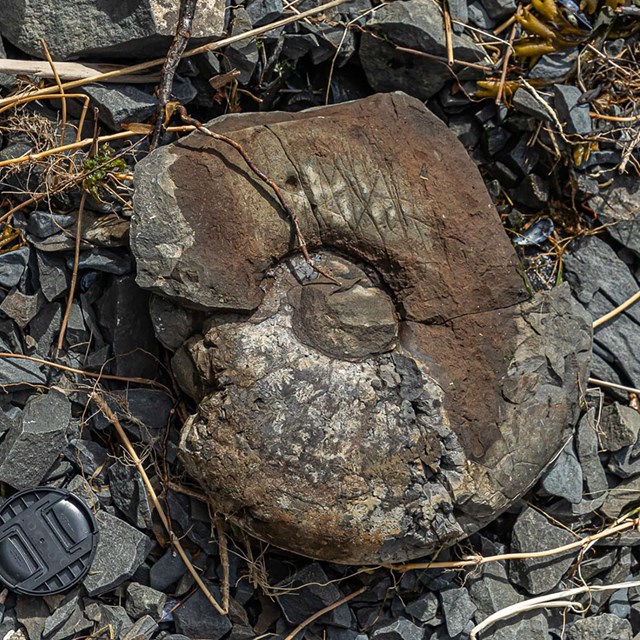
x: 384, y: 412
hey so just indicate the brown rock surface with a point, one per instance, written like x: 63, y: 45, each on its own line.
x: 382, y: 418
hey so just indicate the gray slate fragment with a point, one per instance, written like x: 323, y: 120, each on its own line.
x: 424, y: 608
x: 106, y: 260
x: 313, y: 597
x: 533, y: 532
x: 491, y: 591
x: 32, y: 613
x: 118, y: 104
x: 104, y: 615
x: 130, y: 495
x: 79, y: 28
x: 12, y: 266
x: 144, y: 601
x: 620, y: 203
x: 121, y: 550
x: 554, y: 66
x: 167, y: 570
x: 621, y: 498
x: 79, y: 486
x: 619, y: 427
x: 416, y: 25
x: 172, y: 323
x: 44, y: 224
x: 242, y: 55
x: 143, y: 629
x: 196, y: 618
x: 602, y: 627
x: 33, y: 445
x: 525, y: 102
x: 601, y: 281
x: 458, y: 609
x: 53, y: 275
x: 401, y: 629
x: 587, y: 447
x: 262, y: 12
x: 499, y: 9
x: 563, y: 478
x: 21, y: 308
x: 575, y: 116
x: 44, y: 327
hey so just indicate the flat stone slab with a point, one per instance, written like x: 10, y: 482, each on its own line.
x: 380, y: 418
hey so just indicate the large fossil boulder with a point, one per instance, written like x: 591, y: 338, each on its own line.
x: 382, y: 417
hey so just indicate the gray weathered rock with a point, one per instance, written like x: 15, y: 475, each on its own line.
x: 167, y: 570
x: 424, y: 608
x: 603, y: 627
x: 435, y: 439
x: 524, y: 101
x: 499, y: 9
x: 619, y: 427
x: 533, y: 532
x: 21, y: 308
x: 601, y: 282
x: 196, y: 618
x: 121, y: 550
x: 12, y: 266
x: 143, y: 629
x: 401, y: 629
x: 415, y: 25
x: 563, y: 478
x: 620, y: 203
x: 573, y: 114
x: 593, y: 475
x: 105, y: 615
x: 33, y: 445
x: 458, y: 609
x: 130, y: 495
x: 144, y: 601
x: 81, y: 28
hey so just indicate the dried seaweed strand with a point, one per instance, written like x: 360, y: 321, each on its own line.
x: 268, y: 181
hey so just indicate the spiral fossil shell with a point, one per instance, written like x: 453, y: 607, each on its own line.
x: 375, y: 420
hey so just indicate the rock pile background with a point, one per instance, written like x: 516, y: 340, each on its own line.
x: 559, y: 154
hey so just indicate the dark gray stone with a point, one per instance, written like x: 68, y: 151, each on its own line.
x: 458, y: 609
x: 32, y: 613
x: 86, y: 29
x: 415, y: 25
x: 21, y: 308
x: 603, y: 627
x: 12, y: 266
x: 525, y: 102
x: 499, y: 9
x: 587, y: 447
x: 532, y: 193
x: 130, y: 495
x: 67, y: 620
x: 401, y: 629
x: 620, y: 204
x: 172, y: 323
x: 53, y: 275
x: 121, y: 550
x: 44, y: 327
x: 491, y: 591
x: 32, y: 446
x: 242, y: 55
x: 106, y: 615
x: 92, y: 459
x: 317, y: 594
x: 563, y: 478
x: 167, y: 570
x: 619, y: 427
x: 424, y: 608
x: 44, y: 224
x: 120, y: 103
x: 554, y: 66
x: 619, y: 604
x: 196, y: 618
x: 575, y: 116
x: 626, y: 462
x: 106, y: 260
x: 601, y: 282
x: 144, y: 601
x: 123, y: 314
x: 262, y: 12
x: 533, y: 532
x: 479, y: 17
x: 620, y: 498
x: 143, y: 629
x: 459, y: 12
x: 79, y: 486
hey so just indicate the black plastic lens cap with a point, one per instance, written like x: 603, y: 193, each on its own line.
x: 48, y: 539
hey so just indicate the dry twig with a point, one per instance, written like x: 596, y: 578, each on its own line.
x: 113, y: 419
x: 179, y: 44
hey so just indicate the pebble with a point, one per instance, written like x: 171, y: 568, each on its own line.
x: 619, y: 427
x: 603, y: 627
x: 458, y: 609
x: 533, y: 532
x: 563, y: 478
x: 121, y: 550
x: 21, y: 308
x: 129, y: 494
x: 575, y: 116
x: 167, y: 570
x: 424, y: 608
x: 12, y: 266
x: 196, y: 618
x: 144, y: 601
x: 525, y: 102
x: 34, y: 444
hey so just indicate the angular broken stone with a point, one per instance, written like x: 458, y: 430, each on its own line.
x: 33, y: 444
x: 127, y: 28
x: 144, y: 601
x: 383, y: 416
x: 121, y: 550
x: 619, y: 427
